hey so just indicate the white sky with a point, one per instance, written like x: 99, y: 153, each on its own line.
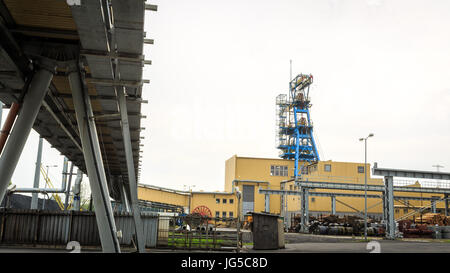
x: 379, y: 67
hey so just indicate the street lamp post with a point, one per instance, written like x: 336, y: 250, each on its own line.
x: 365, y: 183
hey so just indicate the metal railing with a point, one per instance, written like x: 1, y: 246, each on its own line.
x: 199, y: 233
x: 57, y: 228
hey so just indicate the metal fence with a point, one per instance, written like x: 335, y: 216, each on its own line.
x: 199, y: 233
x: 37, y: 227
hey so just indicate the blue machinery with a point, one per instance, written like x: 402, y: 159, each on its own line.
x: 295, y: 130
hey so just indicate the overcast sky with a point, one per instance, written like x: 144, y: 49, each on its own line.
x: 379, y: 67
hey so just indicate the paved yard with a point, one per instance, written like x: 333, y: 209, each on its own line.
x: 384, y: 247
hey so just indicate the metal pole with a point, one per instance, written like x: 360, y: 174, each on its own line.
x: 306, y: 221
x: 22, y: 127
x: 446, y: 204
x: 77, y: 190
x: 64, y: 176
x: 365, y: 189
x: 389, y: 194
x: 94, y: 165
x: 131, y: 170
x: 66, y: 202
x: 433, y: 204
x: 123, y: 195
x: 37, y: 175
x: 333, y: 205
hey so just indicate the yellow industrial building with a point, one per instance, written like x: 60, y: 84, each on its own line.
x: 248, y: 175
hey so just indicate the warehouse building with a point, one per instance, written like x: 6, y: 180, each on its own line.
x: 248, y: 175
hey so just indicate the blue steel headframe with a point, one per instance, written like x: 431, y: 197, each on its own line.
x: 295, y: 132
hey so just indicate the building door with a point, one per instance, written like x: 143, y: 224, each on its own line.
x: 248, y: 199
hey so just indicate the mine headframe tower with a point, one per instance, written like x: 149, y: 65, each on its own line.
x: 294, y: 126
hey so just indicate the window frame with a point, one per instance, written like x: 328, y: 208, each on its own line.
x: 325, y: 168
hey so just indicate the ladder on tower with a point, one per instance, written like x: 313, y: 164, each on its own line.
x: 50, y: 184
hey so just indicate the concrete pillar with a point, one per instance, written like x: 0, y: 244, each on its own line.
x: 139, y: 227
x: 16, y: 141
x: 333, y: 205
x: 94, y: 165
x: 389, y: 197
x: 37, y: 175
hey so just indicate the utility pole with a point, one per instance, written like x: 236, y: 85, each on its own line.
x: 437, y: 166
x: 365, y: 183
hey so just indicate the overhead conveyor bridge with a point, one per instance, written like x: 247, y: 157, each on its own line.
x: 73, y: 71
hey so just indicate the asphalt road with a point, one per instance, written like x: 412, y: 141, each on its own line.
x: 384, y: 247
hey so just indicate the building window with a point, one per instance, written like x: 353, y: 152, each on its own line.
x: 397, y: 210
x: 217, y: 214
x: 313, y: 199
x: 224, y: 214
x: 230, y: 214
x: 405, y: 210
x: 217, y: 200
x: 224, y: 201
x: 327, y: 167
x: 278, y: 170
x: 231, y: 201
x: 290, y: 187
x: 360, y: 169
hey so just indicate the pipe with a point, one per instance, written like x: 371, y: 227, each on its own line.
x: 8, y: 124
x: 47, y: 190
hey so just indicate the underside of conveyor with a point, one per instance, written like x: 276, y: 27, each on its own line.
x: 107, y: 37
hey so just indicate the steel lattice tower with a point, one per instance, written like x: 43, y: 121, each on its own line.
x: 294, y: 127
